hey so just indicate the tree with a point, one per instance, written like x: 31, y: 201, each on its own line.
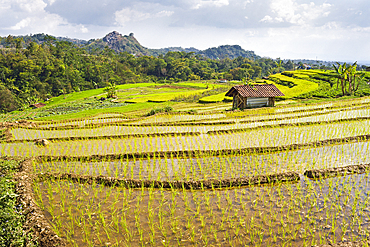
x: 278, y: 64
x: 341, y: 76
x: 348, y: 77
x: 111, y: 90
x: 7, y: 101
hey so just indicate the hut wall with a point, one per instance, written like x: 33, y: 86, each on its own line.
x: 271, y: 101
x: 257, y: 102
x: 239, y: 101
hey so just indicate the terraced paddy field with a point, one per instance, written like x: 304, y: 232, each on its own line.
x: 285, y: 176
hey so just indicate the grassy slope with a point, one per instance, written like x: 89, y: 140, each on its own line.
x: 141, y: 98
x: 301, y: 86
x: 91, y: 93
x: 215, y: 98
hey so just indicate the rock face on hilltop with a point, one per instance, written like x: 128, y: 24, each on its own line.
x: 120, y: 43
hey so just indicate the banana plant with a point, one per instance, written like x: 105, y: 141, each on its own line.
x: 341, y: 75
x: 347, y: 74
x: 352, y: 76
x: 278, y: 65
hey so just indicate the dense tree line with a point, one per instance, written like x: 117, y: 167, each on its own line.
x: 52, y: 68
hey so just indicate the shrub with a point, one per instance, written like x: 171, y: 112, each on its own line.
x: 160, y: 110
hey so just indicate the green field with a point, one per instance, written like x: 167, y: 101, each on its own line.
x: 112, y: 174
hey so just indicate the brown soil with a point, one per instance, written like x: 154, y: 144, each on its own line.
x: 348, y: 244
x: 76, y: 138
x: 172, y: 86
x: 337, y: 171
x: 6, y: 136
x: 17, y: 124
x: 36, y: 222
x: 204, y: 184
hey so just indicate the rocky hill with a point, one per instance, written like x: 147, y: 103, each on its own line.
x: 119, y: 43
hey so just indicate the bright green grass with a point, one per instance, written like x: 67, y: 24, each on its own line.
x: 300, y: 86
x: 91, y: 93
x: 140, y: 108
x: 215, y: 98
x: 164, y: 97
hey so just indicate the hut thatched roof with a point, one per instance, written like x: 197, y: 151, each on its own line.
x: 255, y: 91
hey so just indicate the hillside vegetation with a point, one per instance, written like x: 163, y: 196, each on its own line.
x: 55, y: 68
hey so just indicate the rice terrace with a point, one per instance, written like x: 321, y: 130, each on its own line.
x: 152, y: 167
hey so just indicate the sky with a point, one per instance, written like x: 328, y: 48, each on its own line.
x: 330, y: 30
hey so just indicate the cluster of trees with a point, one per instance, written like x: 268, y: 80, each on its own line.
x: 349, y: 78
x: 52, y: 68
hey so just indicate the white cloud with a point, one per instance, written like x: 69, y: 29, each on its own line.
x: 164, y: 13
x: 22, y: 24
x: 331, y: 25
x: 35, y: 19
x: 84, y: 29
x: 127, y: 14
x: 300, y: 14
x: 210, y: 3
x: 5, y: 5
x: 51, y: 2
x: 267, y: 18
x: 246, y: 3
x: 32, y: 6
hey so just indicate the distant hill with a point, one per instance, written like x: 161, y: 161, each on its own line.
x: 128, y: 43
x: 163, y: 51
x: 39, y: 39
x: 230, y: 51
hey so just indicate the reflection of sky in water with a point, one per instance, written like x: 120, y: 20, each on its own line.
x: 270, y: 137
x: 221, y: 167
x: 24, y: 134
x: 293, y: 214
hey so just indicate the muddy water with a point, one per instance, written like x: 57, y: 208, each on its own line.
x: 300, y: 214
x: 177, y: 118
x: 106, y: 118
x: 200, y: 168
x: 32, y: 134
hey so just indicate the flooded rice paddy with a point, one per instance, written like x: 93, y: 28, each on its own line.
x: 305, y: 213
x: 31, y: 134
x: 216, y: 167
x: 269, y: 137
x: 302, y: 213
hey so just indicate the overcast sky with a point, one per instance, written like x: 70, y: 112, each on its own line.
x: 335, y: 30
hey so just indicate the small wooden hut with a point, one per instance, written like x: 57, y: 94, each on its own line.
x: 249, y: 96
